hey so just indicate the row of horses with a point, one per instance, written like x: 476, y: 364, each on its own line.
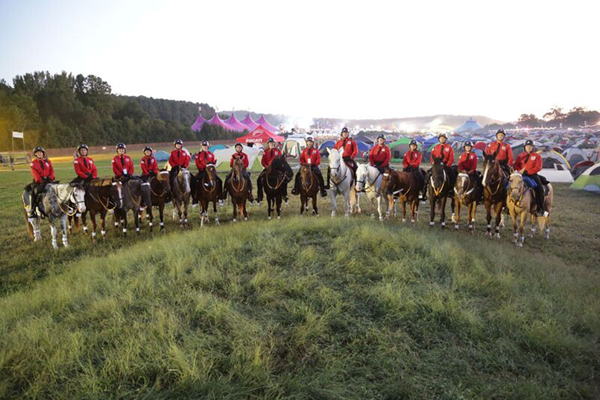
x: 71, y: 204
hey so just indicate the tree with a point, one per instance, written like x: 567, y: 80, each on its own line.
x: 529, y: 121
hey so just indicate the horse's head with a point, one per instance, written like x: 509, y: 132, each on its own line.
x: 116, y: 194
x: 335, y: 160
x: 306, y: 176
x: 281, y: 164
x: 462, y: 184
x: 516, y: 186
x: 438, y: 172
x: 491, y: 169
x: 78, y: 198
x: 183, y: 178
x: 211, y: 172
x: 163, y: 179
x: 362, y: 172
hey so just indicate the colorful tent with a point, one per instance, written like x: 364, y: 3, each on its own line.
x: 260, y: 135
x: 249, y: 123
x: 217, y: 121
x: 575, y: 155
x: 580, y: 168
x: 469, y: 126
x: 223, y: 157
x: 197, y: 126
x: 589, y: 180
x: 263, y: 121
x: 235, y: 124
x: 399, y: 148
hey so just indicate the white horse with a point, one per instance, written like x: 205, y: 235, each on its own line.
x: 368, y: 179
x: 342, y: 183
x: 58, y: 202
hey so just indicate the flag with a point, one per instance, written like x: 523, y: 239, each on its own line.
x: 18, y: 135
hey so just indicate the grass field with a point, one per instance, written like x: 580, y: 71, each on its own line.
x: 301, y: 307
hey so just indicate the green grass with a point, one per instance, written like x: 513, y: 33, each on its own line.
x: 302, y: 307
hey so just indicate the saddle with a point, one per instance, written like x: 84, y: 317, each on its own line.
x: 101, y: 182
x: 530, y: 183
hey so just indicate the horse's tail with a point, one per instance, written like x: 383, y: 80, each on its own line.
x: 29, y: 226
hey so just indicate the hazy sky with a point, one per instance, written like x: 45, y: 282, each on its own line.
x: 346, y: 59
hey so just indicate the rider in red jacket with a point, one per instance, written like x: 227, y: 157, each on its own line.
x: 84, y: 166
x: 380, y: 155
x: 178, y: 159
x: 43, y: 174
x: 148, y: 164
x: 529, y: 163
x: 467, y: 163
x: 122, y: 164
x: 239, y: 154
x: 503, y: 151
x: 311, y: 156
x: 443, y: 150
x: 412, y: 163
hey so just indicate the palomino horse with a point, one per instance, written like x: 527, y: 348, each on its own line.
x: 368, y: 180
x: 494, y: 192
x: 440, y: 188
x: 341, y: 177
x: 277, y: 175
x: 160, y: 187
x: 238, y: 190
x: 181, y: 191
x: 58, y: 201
x: 101, y: 196
x: 466, y: 192
x: 521, y: 202
x: 309, y: 188
x: 208, y: 190
x: 406, y: 186
x: 135, y: 195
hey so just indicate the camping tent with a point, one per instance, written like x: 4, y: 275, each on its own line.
x: 557, y: 173
x: 217, y: 121
x: 260, y: 135
x: 551, y: 157
x: 197, y: 126
x: 263, y: 121
x: 589, y: 180
x: 235, y: 124
x: 249, y: 123
x: 293, y: 146
x: 223, y: 157
x: 469, y: 126
x: 580, y: 168
x: 217, y: 147
x: 161, y: 156
x: 363, y: 148
x: 324, y: 146
x: 575, y: 155
x: 399, y: 148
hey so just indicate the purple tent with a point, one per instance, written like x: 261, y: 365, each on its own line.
x: 235, y: 124
x: 249, y: 122
x: 263, y: 121
x: 197, y: 126
x: 216, y: 120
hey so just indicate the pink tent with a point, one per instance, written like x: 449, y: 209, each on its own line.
x: 197, y: 126
x: 263, y: 121
x: 249, y: 122
x: 235, y: 124
x: 260, y: 135
x: 216, y: 120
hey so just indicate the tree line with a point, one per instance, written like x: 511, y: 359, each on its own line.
x: 64, y: 110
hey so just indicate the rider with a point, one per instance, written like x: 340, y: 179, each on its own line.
x: 239, y: 154
x: 529, y: 163
x: 148, y: 164
x: 350, y: 151
x: 43, y: 174
x: 501, y: 150
x: 412, y: 163
x: 467, y: 163
x: 122, y: 164
x: 178, y: 159
x: 446, y: 152
x: 84, y: 166
x: 380, y: 155
x: 203, y: 158
x: 311, y: 156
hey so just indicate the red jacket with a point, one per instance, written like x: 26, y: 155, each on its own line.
x: 41, y: 169
x: 532, y: 162
x: 412, y: 159
x: 203, y: 158
x: 241, y: 155
x: 179, y: 158
x: 349, y: 146
x: 443, y: 150
x: 149, y: 164
x: 381, y: 154
x: 467, y: 162
x: 122, y: 165
x: 85, y: 166
x: 310, y: 156
x: 505, y: 152
x: 269, y: 156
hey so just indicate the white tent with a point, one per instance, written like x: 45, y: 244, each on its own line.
x: 294, y: 146
x: 575, y: 155
x: 223, y: 156
x: 557, y: 173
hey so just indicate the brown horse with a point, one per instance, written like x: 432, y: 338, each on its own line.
x: 466, y: 192
x: 134, y: 197
x: 208, y: 190
x: 406, y: 187
x: 521, y: 202
x: 440, y: 188
x: 236, y: 186
x: 181, y: 191
x: 101, y: 196
x: 494, y: 192
x: 160, y: 186
x: 276, y: 177
x: 309, y: 188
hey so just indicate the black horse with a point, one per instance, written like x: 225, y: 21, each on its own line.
x: 441, y: 184
x: 276, y: 178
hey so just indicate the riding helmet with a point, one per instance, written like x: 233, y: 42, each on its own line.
x: 413, y: 142
x: 205, y: 143
x: 310, y: 139
x: 178, y: 141
x: 147, y: 148
x: 529, y: 142
x: 121, y: 146
x: 500, y: 131
x: 238, y: 144
x: 468, y: 143
x: 83, y: 146
x: 271, y: 140
x: 39, y: 149
x: 344, y: 129
x: 442, y: 135
x: 381, y: 137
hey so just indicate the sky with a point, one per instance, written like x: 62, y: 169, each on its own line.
x: 338, y: 59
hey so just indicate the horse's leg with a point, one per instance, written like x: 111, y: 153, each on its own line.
x: 150, y: 217
x: 314, y: 203
x: 71, y: 218
x: 124, y: 222
x: 136, y: 220
x: 452, y: 206
x: 278, y: 200
x: 347, y: 204
x: 303, y: 202
x: 270, y: 204
x: 513, y: 215
x: 456, y: 215
x: 94, y: 226
x: 488, y: 217
x: 64, y: 222
x: 333, y: 202
x: 546, y: 221
x: 442, y: 204
x: 161, y: 215
x: 53, y: 232
x: 534, y: 221
x: 103, y: 223
x: 235, y: 208
x: 471, y: 216
x: 413, y: 209
x: 432, y: 204
x: 244, y: 210
x: 403, y: 210
x: 498, y: 211
x: 523, y: 221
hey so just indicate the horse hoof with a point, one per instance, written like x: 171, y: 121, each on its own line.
x: 456, y: 226
x: 412, y: 221
x: 403, y: 219
x: 497, y: 235
x: 279, y: 217
x: 269, y: 218
x: 245, y: 218
x: 519, y: 244
x: 234, y: 220
x: 431, y: 224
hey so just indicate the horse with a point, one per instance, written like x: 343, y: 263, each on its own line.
x: 341, y: 177
x: 494, y: 192
x: 58, y: 201
x: 135, y: 196
x: 407, y: 187
x: 521, y: 202
x: 181, y: 191
x: 101, y: 196
x: 466, y: 192
x: 368, y: 180
x: 440, y: 189
x: 309, y: 188
x: 160, y: 187
x: 208, y: 189
x: 276, y: 177
x: 236, y: 186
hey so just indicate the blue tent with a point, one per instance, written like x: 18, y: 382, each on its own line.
x: 362, y: 148
x: 161, y: 155
x: 326, y: 145
x: 217, y: 147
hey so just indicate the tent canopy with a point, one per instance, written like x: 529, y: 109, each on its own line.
x: 260, y: 135
x: 217, y: 121
x: 589, y: 180
x: 249, y: 123
x: 235, y: 124
x: 469, y: 126
x: 197, y: 126
x: 161, y: 155
x: 263, y: 121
